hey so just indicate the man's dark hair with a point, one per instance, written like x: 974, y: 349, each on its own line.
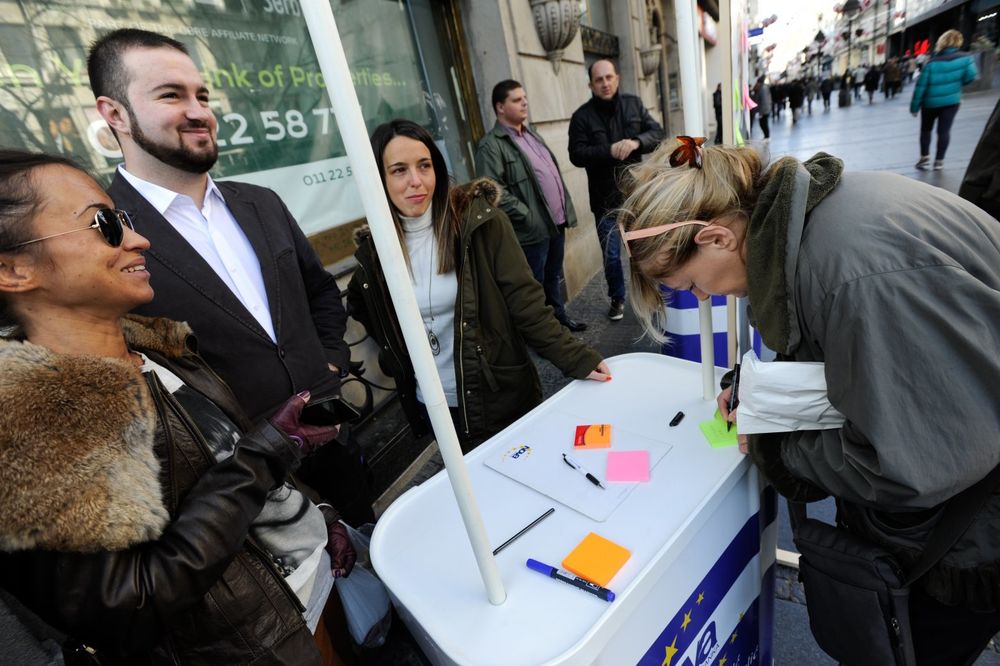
x: 501, y: 90
x: 108, y: 76
x: 590, y: 67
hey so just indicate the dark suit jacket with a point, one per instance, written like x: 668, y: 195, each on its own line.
x: 305, y: 303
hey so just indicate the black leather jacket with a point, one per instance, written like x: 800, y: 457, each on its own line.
x: 201, y: 592
x: 597, y: 125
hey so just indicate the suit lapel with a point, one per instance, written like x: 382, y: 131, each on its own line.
x: 248, y: 217
x: 175, y: 254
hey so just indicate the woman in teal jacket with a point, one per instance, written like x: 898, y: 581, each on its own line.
x: 938, y: 94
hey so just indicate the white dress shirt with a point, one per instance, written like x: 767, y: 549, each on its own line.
x: 214, y: 234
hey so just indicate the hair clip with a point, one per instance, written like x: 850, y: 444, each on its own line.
x: 689, y: 152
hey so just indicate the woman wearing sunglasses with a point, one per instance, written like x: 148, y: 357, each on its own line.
x: 139, y: 512
x: 481, y: 306
x: 895, y: 286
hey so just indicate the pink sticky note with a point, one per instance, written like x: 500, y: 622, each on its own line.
x: 628, y: 466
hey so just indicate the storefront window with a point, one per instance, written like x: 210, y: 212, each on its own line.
x: 276, y: 126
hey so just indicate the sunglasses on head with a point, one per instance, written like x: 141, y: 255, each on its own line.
x: 111, y: 222
x: 651, y: 231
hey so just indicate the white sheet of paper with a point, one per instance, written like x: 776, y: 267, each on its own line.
x: 536, y: 461
x: 783, y: 396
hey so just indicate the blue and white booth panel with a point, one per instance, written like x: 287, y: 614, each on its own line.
x: 683, y: 327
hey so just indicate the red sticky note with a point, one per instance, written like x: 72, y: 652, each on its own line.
x: 627, y: 466
x: 592, y: 436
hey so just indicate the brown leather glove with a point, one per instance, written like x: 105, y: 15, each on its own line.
x: 307, y: 437
x: 338, y: 543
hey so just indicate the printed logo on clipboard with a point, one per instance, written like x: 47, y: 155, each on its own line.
x: 517, y: 453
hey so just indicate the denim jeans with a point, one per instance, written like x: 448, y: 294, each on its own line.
x: 945, y: 116
x: 610, y: 239
x: 546, y: 262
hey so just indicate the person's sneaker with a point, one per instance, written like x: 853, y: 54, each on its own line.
x: 923, y: 163
x: 617, y: 310
x: 938, y: 165
x: 573, y: 325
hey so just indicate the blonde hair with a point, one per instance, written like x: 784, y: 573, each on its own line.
x: 657, y: 193
x: 951, y: 39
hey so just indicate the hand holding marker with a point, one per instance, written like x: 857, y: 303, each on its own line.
x: 733, y: 399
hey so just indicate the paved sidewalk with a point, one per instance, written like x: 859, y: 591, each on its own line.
x: 882, y: 136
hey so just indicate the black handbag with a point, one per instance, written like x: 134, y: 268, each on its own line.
x: 857, y: 594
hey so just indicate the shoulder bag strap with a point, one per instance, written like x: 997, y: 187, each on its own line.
x: 957, y: 516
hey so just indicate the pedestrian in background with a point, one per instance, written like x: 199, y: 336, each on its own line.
x: 858, y: 80
x: 610, y: 131
x: 764, y: 106
x: 796, y: 97
x: 534, y: 196
x: 812, y: 92
x: 938, y: 94
x: 825, y: 88
x: 893, y: 78
x: 872, y: 77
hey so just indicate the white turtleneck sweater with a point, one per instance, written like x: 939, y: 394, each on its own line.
x: 436, y: 296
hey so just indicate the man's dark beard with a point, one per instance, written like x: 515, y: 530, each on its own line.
x: 182, y: 157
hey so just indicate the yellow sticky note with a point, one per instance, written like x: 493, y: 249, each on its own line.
x: 715, y: 432
x: 596, y: 559
x: 596, y: 436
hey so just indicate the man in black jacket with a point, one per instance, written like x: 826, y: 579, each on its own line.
x: 608, y: 133
x: 228, y: 258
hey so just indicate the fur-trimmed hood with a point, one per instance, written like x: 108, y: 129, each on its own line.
x: 461, y: 197
x: 77, y: 467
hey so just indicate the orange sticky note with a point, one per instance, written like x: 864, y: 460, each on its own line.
x: 592, y: 436
x: 596, y: 559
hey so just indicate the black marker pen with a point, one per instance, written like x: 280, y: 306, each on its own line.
x: 575, y: 581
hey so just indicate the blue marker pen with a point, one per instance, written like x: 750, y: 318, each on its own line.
x: 575, y: 581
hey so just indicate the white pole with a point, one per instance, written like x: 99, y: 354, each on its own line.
x: 333, y: 63
x: 687, y: 53
x: 729, y: 52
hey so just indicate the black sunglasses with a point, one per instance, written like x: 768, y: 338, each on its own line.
x: 111, y: 222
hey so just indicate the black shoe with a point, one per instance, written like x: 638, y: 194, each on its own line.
x: 617, y: 310
x: 573, y: 325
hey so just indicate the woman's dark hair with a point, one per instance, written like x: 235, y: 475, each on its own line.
x: 445, y: 222
x: 19, y: 199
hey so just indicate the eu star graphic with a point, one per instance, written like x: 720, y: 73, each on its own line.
x: 687, y: 620
x: 671, y: 651
x: 701, y: 598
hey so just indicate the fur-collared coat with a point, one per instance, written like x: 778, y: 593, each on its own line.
x: 118, y: 527
x: 500, y: 311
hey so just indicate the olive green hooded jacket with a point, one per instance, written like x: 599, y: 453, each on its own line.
x: 500, y: 312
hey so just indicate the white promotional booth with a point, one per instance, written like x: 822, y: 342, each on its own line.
x: 696, y: 590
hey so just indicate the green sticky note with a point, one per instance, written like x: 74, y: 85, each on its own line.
x: 716, y: 434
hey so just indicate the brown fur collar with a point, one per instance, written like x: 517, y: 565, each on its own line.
x: 77, y: 468
x: 461, y: 197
